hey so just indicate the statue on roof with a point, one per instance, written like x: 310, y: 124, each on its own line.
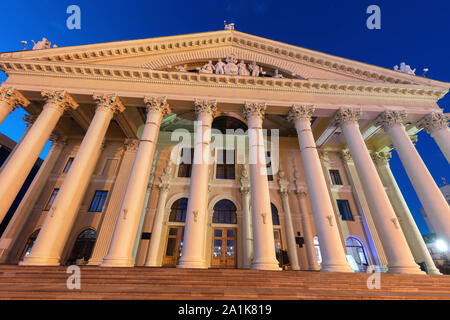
x: 43, y: 44
x: 277, y: 74
x: 254, y: 69
x: 231, y: 68
x: 405, y: 68
x: 207, y: 68
x: 181, y: 68
x: 229, y: 26
x: 242, y: 69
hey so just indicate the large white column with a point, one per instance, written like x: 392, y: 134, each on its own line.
x: 405, y: 218
x: 430, y: 196
x: 289, y: 226
x: 307, y: 232
x: 436, y: 125
x: 400, y: 259
x: 332, y: 250
x: 10, y: 99
x: 264, y: 256
x: 18, y: 165
x: 247, y: 237
x: 120, y: 253
x: 59, y: 220
x: 156, y: 240
x: 193, y: 253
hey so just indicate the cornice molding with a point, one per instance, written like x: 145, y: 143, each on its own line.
x: 233, y: 38
x: 135, y: 74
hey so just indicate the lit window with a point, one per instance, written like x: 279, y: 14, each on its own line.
x: 335, y: 177
x: 178, y: 210
x: 344, y: 210
x: 224, y: 212
x: 275, y: 217
x: 355, y: 249
x: 98, y: 201
x: 317, y: 249
x: 52, y: 199
x: 68, y: 165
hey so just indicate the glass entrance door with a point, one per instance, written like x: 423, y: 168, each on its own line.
x: 174, y: 245
x: 224, y: 248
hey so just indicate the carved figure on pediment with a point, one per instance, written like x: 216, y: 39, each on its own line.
x: 231, y: 68
x: 220, y: 67
x: 207, y: 68
x: 405, y: 69
x: 277, y: 74
x: 181, y: 68
x: 242, y: 69
x: 254, y: 69
x: 43, y: 44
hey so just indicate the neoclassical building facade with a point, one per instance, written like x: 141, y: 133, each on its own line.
x: 136, y: 175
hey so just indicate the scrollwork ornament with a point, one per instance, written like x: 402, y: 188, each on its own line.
x: 254, y: 109
x: 300, y: 112
x: 158, y: 104
x: 110, y: 102
x: 433, y: 121
x: 389, y: 118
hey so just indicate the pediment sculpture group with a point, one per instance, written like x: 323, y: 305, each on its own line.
x: 232, y: 66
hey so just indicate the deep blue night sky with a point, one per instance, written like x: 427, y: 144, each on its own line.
x: 416, y: 32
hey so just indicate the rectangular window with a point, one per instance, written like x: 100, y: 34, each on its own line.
x: 68, y: 165
x: 269, y: 167
x: 98, y: 201
x: 185, y: 167
x: 225, y: 168
x: 344, y: 210
x: 335, y: 177
x: 52, y: 199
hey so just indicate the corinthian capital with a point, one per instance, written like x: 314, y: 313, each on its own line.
x: 300, y: 112
x: 59, y: 98
x: 13, y: 98
x: 158, y: 104
x: 254, y: 109
x: 381, y: 157
x: 389, y: 118
x: 109, y: 101
x: 208, y: 106
x: 433, y: 121
x: 344, y: 115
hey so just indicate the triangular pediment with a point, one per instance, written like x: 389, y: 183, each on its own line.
x: 165, y: 53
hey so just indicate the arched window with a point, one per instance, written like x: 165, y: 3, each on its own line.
x: 223, y: 123
x: 275, y: 217
x: 83, y: 247
x: 317, y: 249
x: 30, y: 243
x: 178, y: 210
x: 356, y: 249
x: 224, y: 212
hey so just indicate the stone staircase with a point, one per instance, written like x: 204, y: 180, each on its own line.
x: 25, y: 282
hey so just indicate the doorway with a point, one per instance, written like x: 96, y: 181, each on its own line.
x: 224, y: 248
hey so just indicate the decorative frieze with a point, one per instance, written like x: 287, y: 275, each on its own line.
x: 59, y: 98
x: 433, y: 121
x: 254, y: 109
x: 300, y: 112
x: 110, y: 102
x: 13, y: 98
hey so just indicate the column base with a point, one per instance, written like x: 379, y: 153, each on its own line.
x: 117, y: 262
x: 336, y: 268
x: 40, y: 261
x: 192, y: 264
x: 405, y: 270
x: 265, y: 265
x: 434, y: 271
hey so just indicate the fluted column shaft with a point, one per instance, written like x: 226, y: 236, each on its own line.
x: 264, y: 256
x: 409, y: 227
x: 430, y: 196
x: 193, y: 252
x: 10, y: 99
x: 332, y: 250
x: 436, y: 125
x: 290, y: 235
x: 59, y: 220
x: 307, y: 232
x: 157, y: 229
x: 400, y: 259
x: 16, y: 169
x: 120, y: 253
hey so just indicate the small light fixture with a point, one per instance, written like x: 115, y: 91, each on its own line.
x: 441, y: 245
